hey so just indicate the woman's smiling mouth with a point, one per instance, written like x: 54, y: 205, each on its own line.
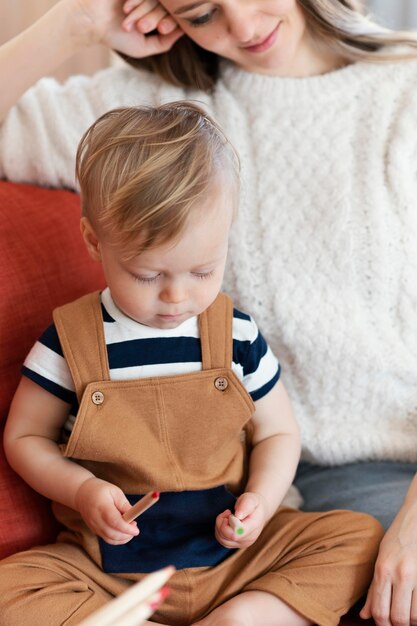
x: 265, y: 44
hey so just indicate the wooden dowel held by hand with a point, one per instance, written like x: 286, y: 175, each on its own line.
x: 141, y: 506
x: 137, y: 614
x: 137, y: 603
x: 236, y: 524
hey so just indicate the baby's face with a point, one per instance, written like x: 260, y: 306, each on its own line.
x: 167, y: 284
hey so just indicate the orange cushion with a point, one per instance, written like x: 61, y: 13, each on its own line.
x: 43, y: 264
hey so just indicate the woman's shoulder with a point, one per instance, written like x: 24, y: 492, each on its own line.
x: 402, y: 70
x: 393, y: 85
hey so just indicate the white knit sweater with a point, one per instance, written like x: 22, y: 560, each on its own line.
x: 324, y: 251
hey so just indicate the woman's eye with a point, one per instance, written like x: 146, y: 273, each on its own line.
x: 203, y: 19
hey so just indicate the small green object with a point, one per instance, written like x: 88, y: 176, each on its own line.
x: 236, y: 524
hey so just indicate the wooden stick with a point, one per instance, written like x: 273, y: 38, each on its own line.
x: 141, y: 506
x: 138, y: 600
x: 137, y: 614
x: 236, y: 524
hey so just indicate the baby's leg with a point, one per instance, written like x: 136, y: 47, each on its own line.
x: 254, y: 608
x: 305, y: 568
x: 57, y: 585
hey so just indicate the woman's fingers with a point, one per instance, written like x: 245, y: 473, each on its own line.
x: 146, y: 16
x: 413, y: 612
x: 366, y: 611
x: 139, y: 45
x: 401, y: 604
x: 167, y: 25
x: 155, y: 44
x: 381, y: 603
x: 143, y: 6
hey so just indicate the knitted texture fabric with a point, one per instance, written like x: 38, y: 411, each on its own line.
x: 323, y: 253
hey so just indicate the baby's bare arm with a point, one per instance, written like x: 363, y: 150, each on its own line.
x: 32, y: 430
x: 276, y: 448
x: 273, y: 462
x: 30, y: 441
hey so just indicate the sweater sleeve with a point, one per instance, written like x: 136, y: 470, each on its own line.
x: 40, y: 134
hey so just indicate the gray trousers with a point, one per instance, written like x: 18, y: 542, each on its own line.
x: 377, y: 488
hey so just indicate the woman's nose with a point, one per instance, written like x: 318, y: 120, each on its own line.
x: 242, y: 23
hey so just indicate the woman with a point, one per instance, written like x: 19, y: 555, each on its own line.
x: 321, y: 105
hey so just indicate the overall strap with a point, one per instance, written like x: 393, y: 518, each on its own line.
x: 80, y: 329
x: 216, y: 333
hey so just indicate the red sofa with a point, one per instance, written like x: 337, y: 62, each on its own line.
x: 43, y: 264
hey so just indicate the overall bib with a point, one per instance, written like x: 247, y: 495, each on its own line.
x: 180, y: 435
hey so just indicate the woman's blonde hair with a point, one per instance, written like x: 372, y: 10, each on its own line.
x: 342, y: 24
x: 143, y: 171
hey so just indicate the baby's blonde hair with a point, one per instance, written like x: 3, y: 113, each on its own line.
x: 144, y: 171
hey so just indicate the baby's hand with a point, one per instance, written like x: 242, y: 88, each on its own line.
x: 146, y: 16
x: 251, y: 511
x: 101, y: 506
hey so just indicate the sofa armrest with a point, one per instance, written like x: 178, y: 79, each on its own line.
x: 43, y: 264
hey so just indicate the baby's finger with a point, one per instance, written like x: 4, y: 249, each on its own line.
x: 224, y: 533
x: 113, y: 521
x: 226, y: 530
x: 126, y: 528
x: 115, y: 538
x: 118, y: 530
x: 245, y: 505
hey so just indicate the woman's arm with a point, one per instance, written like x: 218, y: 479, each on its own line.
x: 39, y: 49
x: 40, y: 134
x: 68, y: 27
x: 392, y: 597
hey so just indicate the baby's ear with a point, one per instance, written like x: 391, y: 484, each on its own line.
x: 90, y: 239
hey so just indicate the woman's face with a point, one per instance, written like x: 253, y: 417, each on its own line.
x: 262, y: 36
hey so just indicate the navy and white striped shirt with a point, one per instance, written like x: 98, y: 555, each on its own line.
x: 138, y: 351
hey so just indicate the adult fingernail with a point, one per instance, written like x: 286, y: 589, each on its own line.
x: 144, y: 26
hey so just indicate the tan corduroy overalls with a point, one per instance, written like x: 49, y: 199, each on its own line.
x: 180, y: 435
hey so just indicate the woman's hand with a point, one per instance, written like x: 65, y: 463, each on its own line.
x: 126, y: 26
x: 392, y: 596
x: 101, y: 506
x: 251, y: 511
x: 146, y: 16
